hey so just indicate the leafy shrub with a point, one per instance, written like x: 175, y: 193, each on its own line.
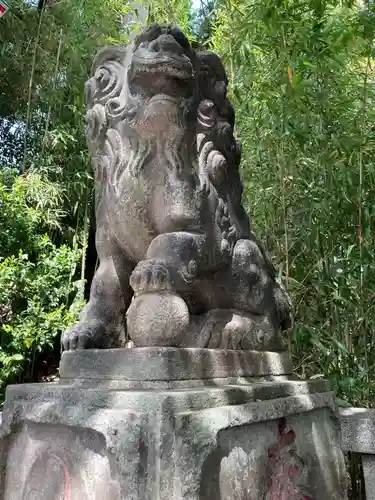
x: 39, y: 296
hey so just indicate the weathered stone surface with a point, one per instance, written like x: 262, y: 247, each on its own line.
x: 211, y: 419
x: 358, y: 430
x: 176, y: 250
x: 358, y: 435
x: 224, y: 442
x: 164, y: 364
x: 48, y: 461
x: 284, y: 460
x: 368, y: 466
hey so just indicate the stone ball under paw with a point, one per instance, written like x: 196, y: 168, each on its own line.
x: 157, y: 319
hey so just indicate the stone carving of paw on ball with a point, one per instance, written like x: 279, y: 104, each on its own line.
x: 178, y: 258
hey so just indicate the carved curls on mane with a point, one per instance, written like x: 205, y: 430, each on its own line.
x: 219, y: 153
x: 110, y: 103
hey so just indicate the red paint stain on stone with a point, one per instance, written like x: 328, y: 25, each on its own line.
x: 289, y: 470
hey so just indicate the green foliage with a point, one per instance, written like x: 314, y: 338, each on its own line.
x: 302, y: 75
x: 45, y: 59
x: 202, y: 20
x: 30, y: 206
x: 39, y: 296
x: 33, y: 306
x: 170, y: 11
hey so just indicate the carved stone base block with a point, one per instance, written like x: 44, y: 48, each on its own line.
x: 172, y: 424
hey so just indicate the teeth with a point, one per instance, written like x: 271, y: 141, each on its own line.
x: 159, y: 69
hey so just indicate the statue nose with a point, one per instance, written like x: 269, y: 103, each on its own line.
x: 166, y: 43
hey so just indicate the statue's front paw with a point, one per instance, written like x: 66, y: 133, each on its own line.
x: 80, y: 336
x: 151, y: 276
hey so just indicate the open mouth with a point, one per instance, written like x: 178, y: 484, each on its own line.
x: 162, y: 97
x: 178, y: 66
x: 167, y: 74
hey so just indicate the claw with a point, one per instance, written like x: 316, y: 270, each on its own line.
x: 150, y: 276
x: 77, y: 338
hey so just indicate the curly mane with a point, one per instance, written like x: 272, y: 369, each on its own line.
x: 111, y: 106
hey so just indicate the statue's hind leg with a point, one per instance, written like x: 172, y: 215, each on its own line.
x: 254, y: 287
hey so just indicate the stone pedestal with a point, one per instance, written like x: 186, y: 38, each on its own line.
x: 358, y: 436
x: 172, y: 424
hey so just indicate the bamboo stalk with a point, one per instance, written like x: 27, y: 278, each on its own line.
x: 31, y: 80
x: 53, y: 90
x: 363, y: 329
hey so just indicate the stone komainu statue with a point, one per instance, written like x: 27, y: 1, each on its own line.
x: 179, y: 264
